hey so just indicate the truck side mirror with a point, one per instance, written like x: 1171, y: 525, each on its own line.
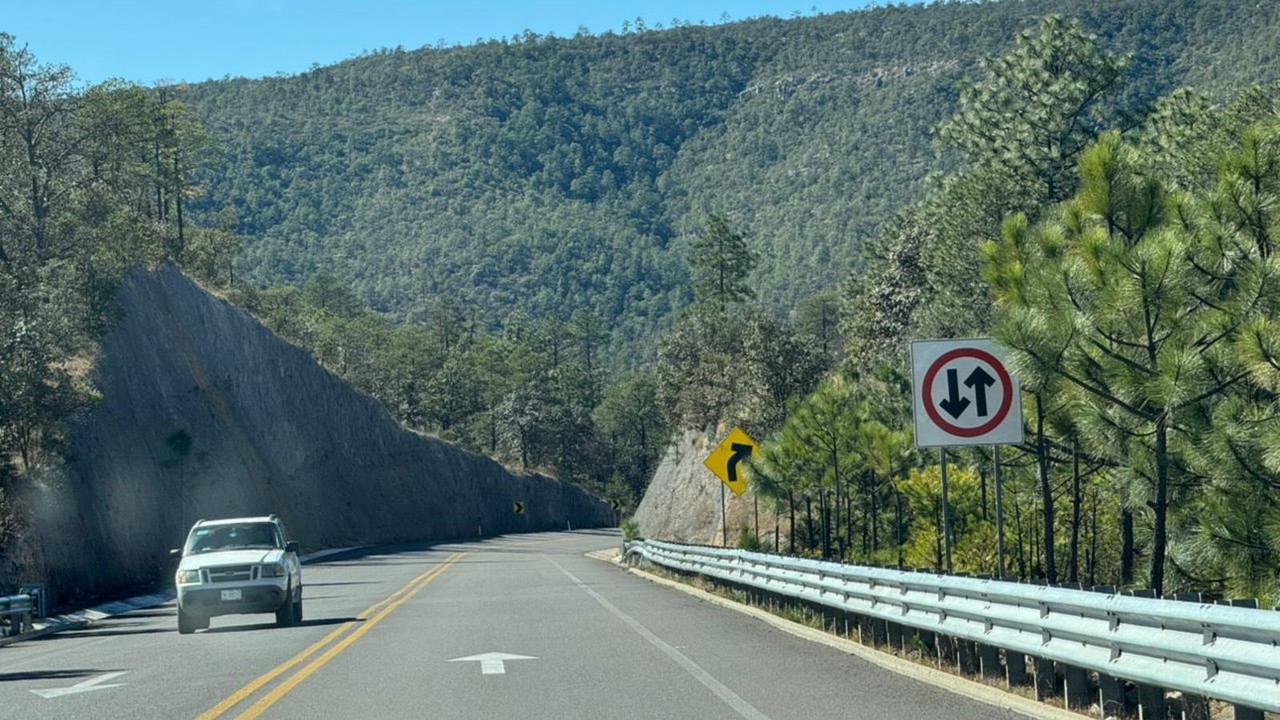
x: 291, y: 546
x: 175, y: 552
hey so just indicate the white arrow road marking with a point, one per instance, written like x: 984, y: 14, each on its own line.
x: 492, y: 663
x: 83, y: 686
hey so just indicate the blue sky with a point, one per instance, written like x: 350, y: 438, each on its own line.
x: 147, y: 41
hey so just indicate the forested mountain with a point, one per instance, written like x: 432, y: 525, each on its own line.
x: 545, y: 175
x: 526, y: 218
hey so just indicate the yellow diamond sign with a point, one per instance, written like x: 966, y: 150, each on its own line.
x: 726, y: 460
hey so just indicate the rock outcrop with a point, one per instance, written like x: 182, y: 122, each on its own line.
x: 205, y: 413
x: 682, y: 502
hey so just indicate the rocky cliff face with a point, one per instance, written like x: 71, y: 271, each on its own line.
x: 205, y: 413
x: 682, y: 502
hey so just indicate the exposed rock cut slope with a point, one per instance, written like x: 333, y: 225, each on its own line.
x: 206, y: 413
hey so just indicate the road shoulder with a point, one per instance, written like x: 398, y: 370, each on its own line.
x: 946, y: 681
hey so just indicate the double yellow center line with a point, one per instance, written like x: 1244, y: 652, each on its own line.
x: 366, y: 621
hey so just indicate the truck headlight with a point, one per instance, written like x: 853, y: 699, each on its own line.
x: 272, y: 570
x: 188, y: 577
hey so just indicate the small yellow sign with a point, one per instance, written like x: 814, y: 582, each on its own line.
x: 726, y: 460
x: 518, y: 507
x: 616, y: 505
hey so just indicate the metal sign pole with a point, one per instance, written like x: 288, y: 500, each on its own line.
x: 946, y: 509
x: 999, y: 517
x: 757, y: 501
x: 724, y: 518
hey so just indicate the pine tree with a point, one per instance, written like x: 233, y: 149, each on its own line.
x: 1124, y: 297
x: 721, y: 261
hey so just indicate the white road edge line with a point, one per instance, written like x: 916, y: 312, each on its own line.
x: 938, y: 678
x: 730, y: 698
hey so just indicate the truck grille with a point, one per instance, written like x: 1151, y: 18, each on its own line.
x: 230, y: 573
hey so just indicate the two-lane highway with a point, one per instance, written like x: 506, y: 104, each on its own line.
x: 512, y: 627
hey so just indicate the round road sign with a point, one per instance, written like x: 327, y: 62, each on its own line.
x: 965, y: 393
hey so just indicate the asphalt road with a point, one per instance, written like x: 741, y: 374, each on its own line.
x: 383, y: 629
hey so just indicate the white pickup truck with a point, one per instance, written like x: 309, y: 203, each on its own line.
x: 238, y: 565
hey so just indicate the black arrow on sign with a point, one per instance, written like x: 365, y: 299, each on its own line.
x: 954, y: 405
x: 740, y: 452
x: 979, y: 380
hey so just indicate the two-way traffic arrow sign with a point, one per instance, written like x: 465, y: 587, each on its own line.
x: 964, y: 394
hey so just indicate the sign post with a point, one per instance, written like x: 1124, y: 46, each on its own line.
x: 964, y: 395
x: 725, y: 461
x: 946, y: 509
x: 995, y: 451
x: 724, y: 518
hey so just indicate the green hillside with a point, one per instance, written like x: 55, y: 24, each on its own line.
x: 549, y: 175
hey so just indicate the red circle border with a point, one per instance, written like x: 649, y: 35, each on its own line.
x: 1005, y: 382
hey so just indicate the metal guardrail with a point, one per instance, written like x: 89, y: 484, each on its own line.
x: 19, y: 610
x: 1215, y: 651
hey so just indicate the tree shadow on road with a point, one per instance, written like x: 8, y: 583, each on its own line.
x: 168, y: 612
x: 93, y: 632
x: 335, y: 584
x: 50, y: 675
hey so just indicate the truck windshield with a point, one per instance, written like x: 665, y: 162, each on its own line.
x: 241, y: 536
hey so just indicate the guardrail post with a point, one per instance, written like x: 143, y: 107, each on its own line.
x: 946, y: 650
x: 1075, y: 685
x: 1248, y: 713
x: 1046, y: 679
x: 895, y: 636
x: 1015, y: 666
x: 989, y: 661
x: 1151, y: 703
x: 879, y: 632
x: 831, y: 620
x: 928, y: 643
x: 967, y: 656
x: 828, y: 618
x: 1111, y: 696
x: 1195, y: 707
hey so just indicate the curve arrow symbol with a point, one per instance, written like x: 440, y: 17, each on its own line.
x: 740, y: 452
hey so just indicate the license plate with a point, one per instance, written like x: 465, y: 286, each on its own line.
x: 231, y: 596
